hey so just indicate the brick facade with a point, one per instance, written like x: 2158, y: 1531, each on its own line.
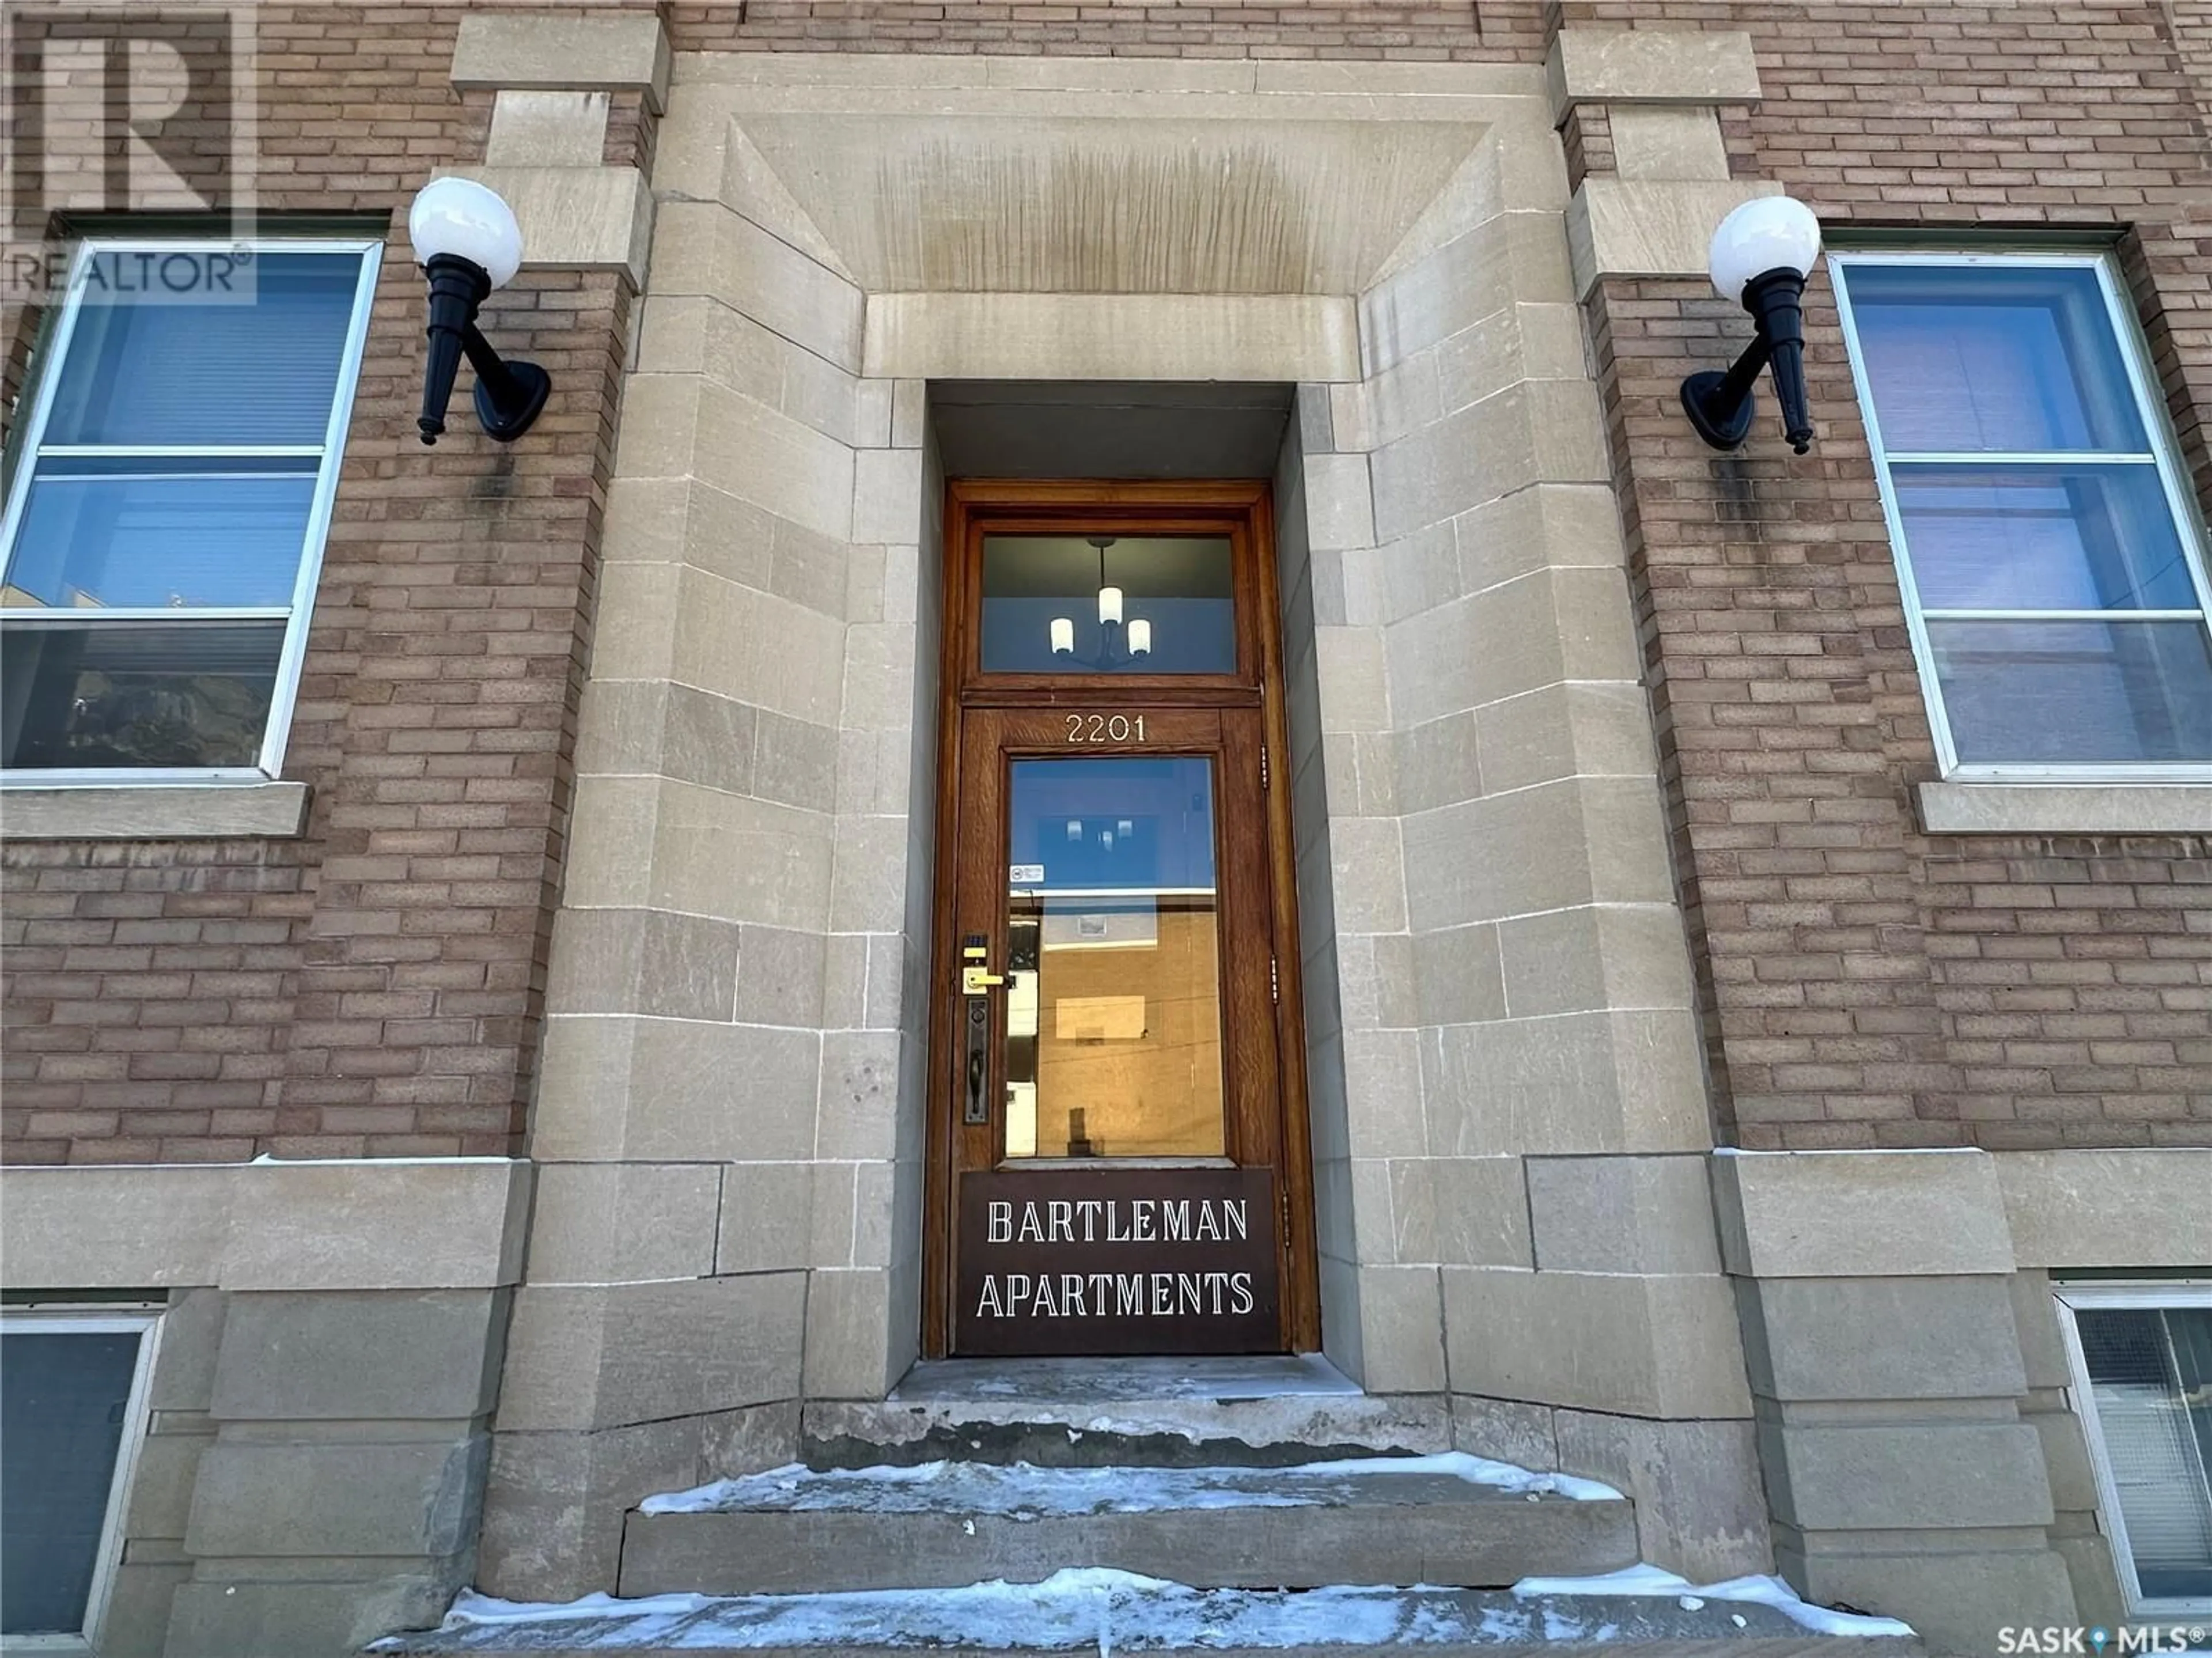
x: 371, y: 988
x: 1867, y: 985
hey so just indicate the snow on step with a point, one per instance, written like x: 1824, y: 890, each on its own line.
x: 1106, y: 1612
x: 1019, y: 1489
x: 1451, y: 1519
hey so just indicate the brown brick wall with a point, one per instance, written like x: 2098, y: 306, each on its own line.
x: 1864, y: 984
x: 371, y: 989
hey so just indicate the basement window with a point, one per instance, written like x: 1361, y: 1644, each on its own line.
x: 72, y: 1409
x: 2142, y: 1385
x: 164, y: 528
x: 2047, y: 544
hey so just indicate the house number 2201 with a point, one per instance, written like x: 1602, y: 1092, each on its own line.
x: 1104, y: 728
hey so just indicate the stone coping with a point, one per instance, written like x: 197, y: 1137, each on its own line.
x: 376, y: 1223
x: 154, y: 811
x: 2064, y: 808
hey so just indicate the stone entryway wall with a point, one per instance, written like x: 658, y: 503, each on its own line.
x: 1503, y: 1045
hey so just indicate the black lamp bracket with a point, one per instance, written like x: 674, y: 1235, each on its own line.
x: 1720, y: 404
x: 509, y: 396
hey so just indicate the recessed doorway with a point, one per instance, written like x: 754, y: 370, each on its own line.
x: 1119, y: 1161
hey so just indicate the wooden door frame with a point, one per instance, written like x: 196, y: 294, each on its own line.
x: 1244, y: 508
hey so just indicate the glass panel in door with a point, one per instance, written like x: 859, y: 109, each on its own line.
x: 1114, y: 960
x: 1101, y: 605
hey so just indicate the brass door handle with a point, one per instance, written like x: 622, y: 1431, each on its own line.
x: 974, y: 980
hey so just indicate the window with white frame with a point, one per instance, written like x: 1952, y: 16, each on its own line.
x: 165, y: 525
x: 72, y: 1410
x: 2142, y: 1383
x: 2051, y: 554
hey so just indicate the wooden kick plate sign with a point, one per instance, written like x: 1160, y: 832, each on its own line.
x: 1112, y: 1260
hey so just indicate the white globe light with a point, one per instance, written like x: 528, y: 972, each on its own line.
x: 1768, y: 232
x: 469, y: 220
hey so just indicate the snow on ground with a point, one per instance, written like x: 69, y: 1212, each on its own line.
x: 1094, y: 1608
x: 1021, y: 1489
x: 1643, y: 1580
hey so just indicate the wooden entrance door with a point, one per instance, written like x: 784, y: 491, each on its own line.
x: 1118, y: 1153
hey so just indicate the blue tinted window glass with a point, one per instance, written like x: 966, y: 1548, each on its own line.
x: 63, y: 1400
x: 1042, y: 593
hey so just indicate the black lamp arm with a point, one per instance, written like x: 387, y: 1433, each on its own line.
x: 509, y: 396
x: 1719, y: 404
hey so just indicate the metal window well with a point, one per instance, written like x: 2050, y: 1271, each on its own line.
x: 2142, y: 1366
x: 163, y: 532
x: 2050, y: 557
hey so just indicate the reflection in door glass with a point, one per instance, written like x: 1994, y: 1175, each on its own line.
x: 1114, y: 960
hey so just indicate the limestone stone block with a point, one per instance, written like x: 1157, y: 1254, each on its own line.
x: 1622, y: 1214
x: 2085, y: 1208
x: 1565, y: 730
x: 138, y: 1601
x: 1552, y: 847
x: 1549, y: 626
x: 553, y: 1507
x: 401, y: 1498
x: 114, y: 1227
x: 779, y: 976
x: 1366, y: 869
x: 767, y: 1216
x: 1573, y: 1085
x: 1700, y: 1508
x: 1460, y: 1212
x: 1890, y: 1476
x: 795, y: 762
x: 677, y: 426
x: 1882, y: 1338
x: 1402, y: 1332
x: 608, y: 1223
x: 1383, y: 1094
x: 212, y: 1619
x: 1813, y: 1214
x: 162, y: 811
x: 644, y: 726
x: 1660, y: 141
x: 1078, y: 336
x: 1556, y: 525
x: 1595, y: 956
x: 162, y: 1480
x: 643, y: 960
x: 1508, y: 257
x: 1533, y: 432
x: 703, y: 248
x: 851, y: 1352
x: 1340, y: 1329
x: 858, y: 1116
x: 1340, y: 508
x: 576, y: 218
x: 2042, y: 1345
x: 497, y: 49
x: 547, y: 128
x: 1505, y: 1430
x: 1520, y: 342
x: 330, y: 1225
x: 692, y: 334
x: 1956, y: 1599
x: 1656, y: 1345
x: 2056, y: 809
x: 2066, y: 1461
x: 373, y: 1355
x: 1651, y: 65
x: 1620, y: 227
x: 881, y: 665
x: 184, y: 1360
x: 1456, y: 974
x: 744, y: 859
x: 659, y: 1090
x: 604, y: 1356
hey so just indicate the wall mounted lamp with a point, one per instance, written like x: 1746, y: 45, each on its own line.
x: 1761, y: 255
x: 467, y: 242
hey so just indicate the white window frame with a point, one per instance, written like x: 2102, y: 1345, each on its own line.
x: 98, y: 1322
x: 2181, y: 503
x: 270, y: 762
x: 2145, y: 1296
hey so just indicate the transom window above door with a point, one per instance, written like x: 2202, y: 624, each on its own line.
x: 1106, y: 603
x: 2050, y: 551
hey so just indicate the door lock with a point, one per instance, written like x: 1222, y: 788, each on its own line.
x: 976, y: 980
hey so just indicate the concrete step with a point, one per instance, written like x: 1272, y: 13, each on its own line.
x: 1091, y: 1611
x: 1267, y: 1412
x: 1449, y: 1519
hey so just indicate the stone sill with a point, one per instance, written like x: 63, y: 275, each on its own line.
x: 154, y: 811
x: 2064, y: 808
